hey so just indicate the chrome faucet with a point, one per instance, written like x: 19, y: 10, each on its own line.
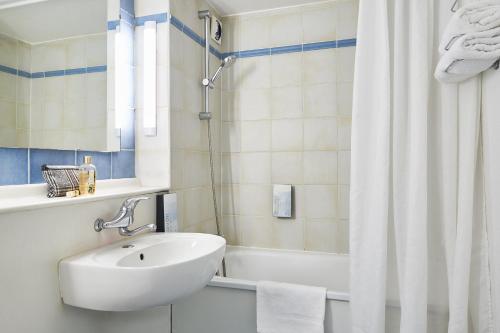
x: 124, y: 219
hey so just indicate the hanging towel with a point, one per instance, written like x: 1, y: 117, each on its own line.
x: 290, y: 308
x: 468, y: 56
x: 474, y: 17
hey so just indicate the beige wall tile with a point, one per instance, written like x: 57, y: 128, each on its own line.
x: 287, y: 168
x: 287, y: 135
x: 320, y: 167
x: 320, y: 134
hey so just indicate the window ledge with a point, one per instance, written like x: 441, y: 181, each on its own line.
x: 29, y: 197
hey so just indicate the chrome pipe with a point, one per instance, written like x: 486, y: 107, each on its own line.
x: 205, y: 114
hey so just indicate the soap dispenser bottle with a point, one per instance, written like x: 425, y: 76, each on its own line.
x: 87, y: 176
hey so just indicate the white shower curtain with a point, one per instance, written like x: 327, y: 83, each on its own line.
x: 425, y: 180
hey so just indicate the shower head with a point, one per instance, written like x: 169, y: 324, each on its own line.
x: 226, y: 62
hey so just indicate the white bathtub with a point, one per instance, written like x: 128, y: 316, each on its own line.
x: 228, y: 305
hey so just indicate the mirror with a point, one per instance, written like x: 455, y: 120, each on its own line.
x: 53, y: 75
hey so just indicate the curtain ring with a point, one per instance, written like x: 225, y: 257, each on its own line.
x: 454, y: 7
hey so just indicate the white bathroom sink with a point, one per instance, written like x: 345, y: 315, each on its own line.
x: 134, y: 274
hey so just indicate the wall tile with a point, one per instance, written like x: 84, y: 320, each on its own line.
x: 321, y: 201
x: 255, y: 200
x: 320, y: 167
x: 325, y: 235
x: 286, y: 102
x: 319, y: 24
x: 285, y: 29
x: 102, y: 162
x: 14, y: 166
x: 344, y: 98
x: 231, y: 137
x: 347, y: 14
x: 230, y: 168
x: 255, y: 168
x: 343, y: 202
x: 287, y: 168
x: 320, y: 66
x: 76, y: 53
x: 344, y: 167
x: 287, y: 135
x: 255, y: 136
x: 254, y: 104
x: 344, y: 133
x: 292, y: 108
x: 123, y: 163
x: 320, y: 134
x: 345, y: 64
x: 39, y: 157
x: 256, y: 231
x: 320, y: 100
x: 286, y: 69
x: 288, y: 234
x: 230, y: 199
x: 254, y: 73
x: 254, y: 33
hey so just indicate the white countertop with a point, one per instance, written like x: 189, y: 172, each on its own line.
x: 28, y: 197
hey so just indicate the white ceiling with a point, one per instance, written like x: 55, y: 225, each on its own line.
x: 233, y: 7
x: 53, y: 19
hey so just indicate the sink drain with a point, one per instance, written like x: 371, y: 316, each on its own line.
x: 141, y: 256
x: 128, y: 246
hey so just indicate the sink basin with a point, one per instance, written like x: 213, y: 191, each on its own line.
x: 134, y: 274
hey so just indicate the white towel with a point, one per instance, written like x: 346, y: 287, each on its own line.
x: 290, y: 308
x: 474, y: 17
x: 468, y: 56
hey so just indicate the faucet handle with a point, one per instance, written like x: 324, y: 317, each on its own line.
x: 131, y: 203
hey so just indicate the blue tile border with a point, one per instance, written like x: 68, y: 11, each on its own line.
x: 319, y: 46
x: 60, y: 72
x: 12, y: 160
x: 286, y: 49
x: 113, y: 24
x: 346, y: 42
x: 193, y: 35
x: 305, y: 47
x: 55, y: 73
x: 254, y: 53
x: 22, y: 166
x: 159, y: 18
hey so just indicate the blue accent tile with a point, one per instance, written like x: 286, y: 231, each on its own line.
x: 123, y: 164
x: 255, y: 53
x: 39, y: 157
x: 96, y: 69
x: 227, y: 54
x: 159, y: 18
x: 113, y: 24
x: 54, y: 73
x: 74, y: 71
x: 24, y: 74
x: 320, y: 46
x: 37, y: 75
x: 346, y: 42
x: 102, y: 162
x: 215, y: 52
x: 14, y: 170
x: 176, y: 23
x: 8, y: 70
x: 286, y: 49
x: 193, y: 35
x: 127, y: 17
